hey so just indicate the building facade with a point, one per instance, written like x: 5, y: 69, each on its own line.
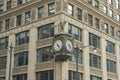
x: 30, y: 26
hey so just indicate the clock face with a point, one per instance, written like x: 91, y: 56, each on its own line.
x: 57, y: 45
x: 69, y: 45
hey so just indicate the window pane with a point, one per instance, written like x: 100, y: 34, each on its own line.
x: 3, y: 62
x: 51, y: 9
x: 18, y: 20
x: 97, y: 23
x: 90, y: 19
x: 46, y: 31
x: 111, y: 66
x: 20, y: 77
x: 19, y: 2
x: 7, y: 24
x: 110, y: 47
x: 3, y: 42
x: 41, y: 12
x: 70, y: 9
x: 79, y: 11
x: 27, y: 17
x: 1, y: 7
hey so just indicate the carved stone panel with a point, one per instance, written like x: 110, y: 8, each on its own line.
x: 44, y: 42
x: 96, y: 71
x: 3, y: 52
x: 44, y: 66
x: 65, y: 7
x: 111, y: 56
x: 72, y: 65
x: 21, y: 48
x: 20, y: 70
x: 2, y: 73
x: 112, y: 75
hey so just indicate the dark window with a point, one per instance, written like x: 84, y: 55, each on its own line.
x: 73, y: 75
x: 51, y: 8
x: 27, y: 17
x: 41, y: 12
x: 119, y: 34
x: 7, y: 24
x: 111, y: 66
x: 95, y: 77
x: 22, y: 38
x: 19, y: 2
x: 18, y: 20
x: 76, y: 53
x: 94, y: 40
x: 21, y: 59
x: 3, y: 42
x: 95, y: 61
x: 1, y: 26
x: 46, y: 31
x: 70, y: 9
x: 90, y: 1
x: 2, y: 78
x: 1, y: 7
x: 45, y: 75
x: 112, y: 31
x: 90, y: 20
x: 110, y: 47
x: 8, y: 4
x: 3, y: 62
x: 20, y: 77
x: 44, y: 54
x: 96, y: 3
x: 79, y: 14
x: 97, y: 24
x: 75, y: 32
x: 28, y: 1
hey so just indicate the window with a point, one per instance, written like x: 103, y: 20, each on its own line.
x: 97, y: 23
x: 76, y: 53
x: 1, y: 26
x: 73, y: 76
x: 46, y: 31
x: 41, y: 12
x: 90, y: 1
x: 19, y: 2
x: 70, y: 9
x: 18, y: 20
x: 22, y: 38
x: 110, y: 47
x: 51, y: 9
x: 44, y: 54
x: 110, y: 13
x: 2, y: 78
x: 105, y: 9
x: 75, y: 32
x: 79, y: 14
x: 117, y: 4
x: 96, y: 3
x: 8, y: 4
x: 1, y: 7
x: 28, y: 1
x: 94, y: 40
x: 111, y: 31
x: 106, y: 27
x: 21, y: 59
x: 3, y: 62
x: 95, y: 61
x: 95, y: 77
x: 111, y: 66
x: 90, y: 20
x: 4, y: 42
x: 20, y: 77
x: 27, y: 17
x: 45, y: 75
x: 110, y: 1
x: 7, y: 24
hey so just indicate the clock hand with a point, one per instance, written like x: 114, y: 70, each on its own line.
x: 58, y: 46
x: 69, y: 46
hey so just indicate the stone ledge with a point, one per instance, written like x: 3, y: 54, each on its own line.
x: 97, y: 72
x: 21, y: 48
x: 20, y: 70
x: 3, y: 52
x: 112, y: 75
x: 44, y: 66
x: 111, y: 56
x: 3, y: 73
x: 72, y: 66
x: 44, y: 42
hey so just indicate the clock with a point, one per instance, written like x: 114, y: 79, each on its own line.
x: 69, y: 45
x: 57, y: 45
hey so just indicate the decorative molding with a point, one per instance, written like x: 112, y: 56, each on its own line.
x: 112, y: 75
x: 111, y: 56
x: 20, y: 70
x: 95, y: 71
x: 3, y: 52
x: 2, y: 73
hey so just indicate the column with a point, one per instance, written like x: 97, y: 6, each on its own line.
x: 11, y: 40
x: 86, y: 55
x: 32, y: 54
x: 103, y: 61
